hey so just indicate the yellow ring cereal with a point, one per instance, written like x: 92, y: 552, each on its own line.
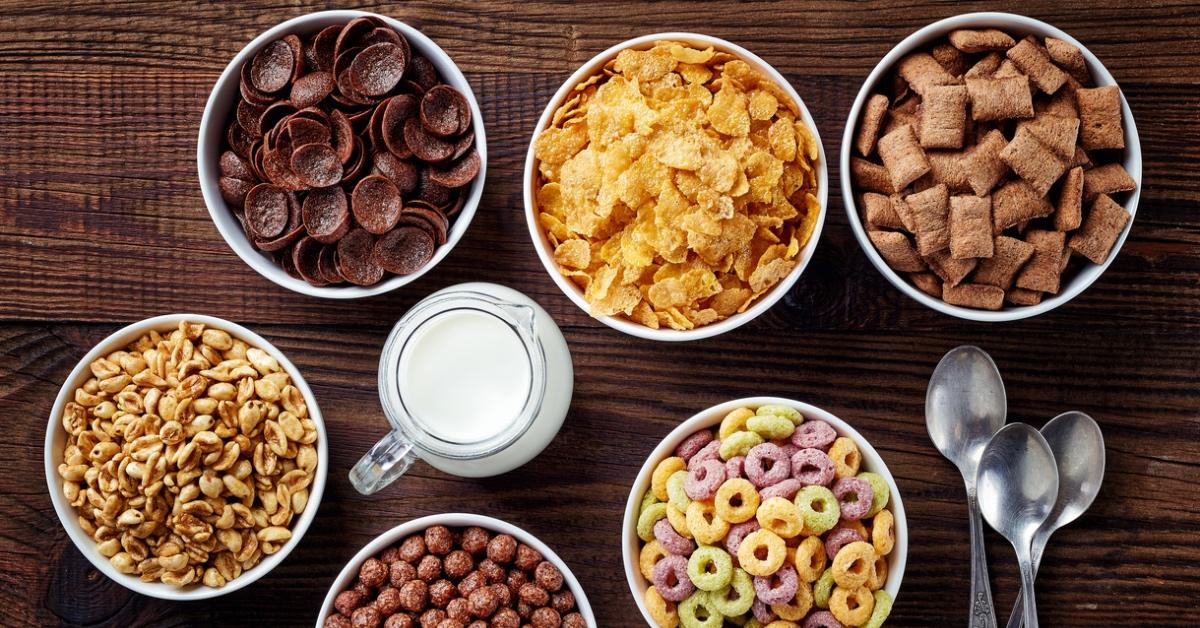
x: 879, y: 573
x: 810, y: 559
x: 846, y: 457
x: 883, y: 532
x: 852, y: 607
x: 650, y: 516
x: 661, y: 611
x: 780, y: 623
x: 853, y: 565
x: 771, y: 426
x: 796, y: 608
x: 658, y: 479
x: 678, y: 519
x: 737, y: 500
x: 780, y: 515
x: 738, y: 443
x: 761, y: 553
x: 704, y: 524
x: 822, y: 589
x: 733, y: 422
x: 791, y: 414
x: 651, y: 553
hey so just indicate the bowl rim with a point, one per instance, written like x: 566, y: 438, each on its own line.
x: 710, y: 418
x: 540, y: 244
x: 1024, y: 25
x: 207, y: 156
x: 68, y: 517
x: 452, y: 519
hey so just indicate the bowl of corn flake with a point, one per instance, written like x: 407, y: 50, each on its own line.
x: 675, y: 186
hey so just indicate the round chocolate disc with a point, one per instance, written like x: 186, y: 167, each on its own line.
x: 376, y: 203
x: 441, y: 108
x: 311, y: 89
x: 425, y: 145
x: 326, y: 214
x: 377, y: 69
x: 404, y: 250
x: 401, y: 172
x: 272, y: 67
x: 231, y: 165
x: 458, y: 173
x: 266, y: 210
x: 317, y: 165
x: 355, y: 259
x: 305, y: 257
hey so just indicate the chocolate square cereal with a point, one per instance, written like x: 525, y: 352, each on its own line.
x: 1021, y: 296
x: 950, y: 58
x: 1080, y: 158
x: 950, y: 168
x: 905, y: 213
x: 985, y: 168
x: 1100, y: 117
x: 1034, y: 62
x: 1107, y: 179
x: 1105, y: 222
x: 1001, y: 268
x: 870, y: 176
x: 1033, y: 161
x: 902, y: 156
x: 983, y: 40
x: 897, y: 251
x: 1056, y: 132
x: 928, y: 283
x: 1061, y: 104
x: 970, y: 226
x: 973, y: 295
x: 985, y: 67
x: 1016, y: 202
x: 922, y: 71
x: 1043, y: 270
x: 872, y: 119
x: 943, y: 116
x: 880, y: 212
x: 950, y: 270
x: 1000, y: 98
x: 931, y: 213
x: 1068, y: 57
x: 1070, y: 201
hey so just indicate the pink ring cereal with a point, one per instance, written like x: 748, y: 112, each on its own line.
x: 788, y: 448
x: 738, y: 444
x: 791, y: 414
x: 822, y: 589
x: 651, y: 553
x: 761, y: 553
x: 736, y: 501
x: 879, y: 491
x: 664, y: 469
x: 839, y: 538
x: 796, y: 608
x: 883, y: 533
x: 703, y: 480
x: 676, y: 494
x: 733, y: 422
x: 706, y: 527
x: 851, y: 606
x: 766, y: 464
x: 710, y: 568
x: 742, y: 586
x: 879, y: 573
x: 693, y: 444
x: 771, y: 426
x: 763, y: 613
x: 854, y: 497
x: 661, y: 611
x: 737, y: 533
x: 778, y: 587
x: 853, y: 564
x: 883, y: 608
x: 697, y: 612
x: 815, y: 434
x: 735, y: 467
x: 810, y: 559
x: 812, y: 466
x: 710, y: 451
x: 823, y: 619
x: 671, y: 579
x: 853, y: 524
x: 819, y: 508
x: 781, y: 516
x: 670, y: 540
x: 678, y: 519
x: 650, y: 516
x: 787, y: 488
x: 846, y: 458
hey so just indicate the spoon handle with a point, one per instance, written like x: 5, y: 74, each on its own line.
x: 1030, y: 606
x: 1016, y: 617
x: 983, y: 614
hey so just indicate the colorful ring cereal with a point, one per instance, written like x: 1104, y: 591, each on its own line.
x: 813, y: 466
x: 742, y: 586
x: 670, y: 540
x: 852, y: 607
x: 736, y: 501
x: 735, y: 467
x: 846, y: 457
x: 777, y: 588
x: 781, y: 516
x: 704, y: 479
x: 661, y: 611
x: 796, y: 608
x: 710, y: 451
x: 697, y: 612
x: 771, y: 426
x: 761, y: 553
x: 837, y: 539
x: 766, y: 464
x: 739, y: 444
x: 737, y: 533
x: 819, y: 508
x: 879, y: 573
x: 879, y: 491
x: 810, y: 559
x: 815, y: 434
x: 676, y: 493
x: 883, y: 608
x: 678, y: 519
x: 786, y: 489
x: 883, y: 532
x: 651, y: 553
x: 853, y: 524
x: 658, y: 479
x: 822, y: 589
x: 693, y: 444
x: 735, y: 421
x: 787, y: 412
x: 823, y: 619
x: 853, y: 565
x: 706, y: 527
x: 710, y: 568
x: 854, y: 497
x: 650, y: 516
x: 647, y: 499
x: 782, y: 623
x: 762, y: 613
x: 671, y: 579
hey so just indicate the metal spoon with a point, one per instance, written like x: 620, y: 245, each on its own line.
x: 964, y: 407
x: 1018, y: 485
x: 1078, y: 448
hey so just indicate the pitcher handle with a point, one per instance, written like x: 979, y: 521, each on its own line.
x: 386, y: 461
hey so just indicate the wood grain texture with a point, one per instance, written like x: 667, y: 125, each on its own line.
x: 102, y: 223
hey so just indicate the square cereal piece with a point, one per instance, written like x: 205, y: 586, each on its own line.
x: 1034, y: 62
x: 984, y: 40
x: 985, y: 67
x: 1057, y: 133
x: 1061, y: 104
x: 970, y: 226
x: 1016, y: 202
x: 1000, y: 98
x: 1105, y: 222
x: 870, y: 176
x: 1044, y: 269
x: 950, y: 270
x: 951, y: 59
x: 943, y: 116
x: 949, y: 167
x: 1107, y: 179
x: 1080, y: 158
x: 897, y: 251
x: 1008, y: 69
x: 973, y: 295
x: 1070, y: 201
x: 931, y: 213
x: 1021, y: 296
x: 1001, y: 268
x: 880, y: 212
x: 1100, y: 117
x: 902, y: 156
x: 904, y: 212
x: 872, y: 118
x: 1068, y: 57
x: 927, y: 283
x: 903, y: 111
x: 1033, y: 161
x: 921, y: 71
x: 985, y: 168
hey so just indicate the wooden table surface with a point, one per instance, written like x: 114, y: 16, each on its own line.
x: 102, y: 224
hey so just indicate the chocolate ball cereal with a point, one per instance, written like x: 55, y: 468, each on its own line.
x: 373, y: 573
x: 492, y: 571
x: 366, y: 617
x: 502, y: 548
x: 402, y: 572
x: 533, y: 595
x: 439, y: 540
x: 414, y: 595
x: 545, y: 617
x: 388, y: 601
x: 430, y: 568
x: 506, y: 618
x: 432, y: 617
x: 441, y: 592
x: 527, y: 557
x: 475, y: 540
x: 547, y: 576
x: 400, y: 620
x: 573, y: 620
x: 413, y: 548
x: 458, y: 564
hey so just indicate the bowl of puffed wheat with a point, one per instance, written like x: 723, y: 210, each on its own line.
x: 185, y: 456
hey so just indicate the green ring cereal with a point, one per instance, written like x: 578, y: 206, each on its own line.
x: 879, y: 492
x: 650, y: 516
x: 710, y: 568
x: 651, y: 553
x: 781, y: 516
x: 661, y: 611
x: 733, y: 422
x: 675, y: 493
x: 704, y: 524
x: 761, y: 553
x: 678, y: 519
x: 791, y: 414
x: 845, y: 456
x: 664, y: 470
x: 647, y: 499
x: 697, y: 612
x: 810, y: 559
x: 771, y: 426
x: 743, y: 586
x: 738, y: 444
x: 819, y: 508
x: 883, y: 608
x: 851, y: 606
x: 799, y: 606
x: 736, y: 501
x: 822, y: 589
x: 853, y: 565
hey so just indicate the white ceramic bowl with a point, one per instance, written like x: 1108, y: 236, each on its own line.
x: 454, y: 519
x: 711, y: 418
x: 216, y: 118
x: 56, y: 438
x: 546, y: 252
x: 1018, y: 26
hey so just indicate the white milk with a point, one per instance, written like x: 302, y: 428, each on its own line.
x: 464, y: 376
